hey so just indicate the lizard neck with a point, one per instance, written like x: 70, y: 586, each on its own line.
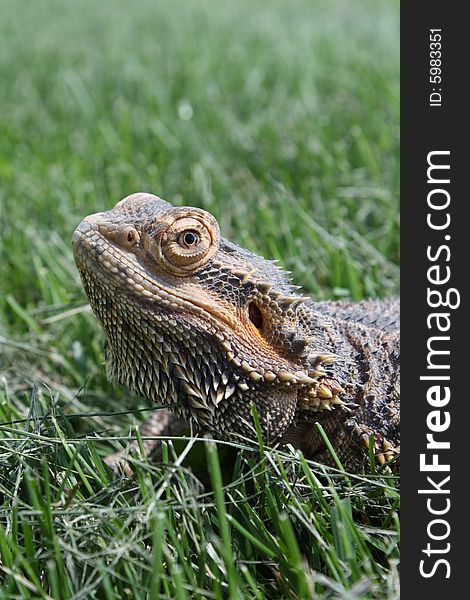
x: 368, y: 362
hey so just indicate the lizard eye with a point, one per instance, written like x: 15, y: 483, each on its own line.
x: 186, y: 238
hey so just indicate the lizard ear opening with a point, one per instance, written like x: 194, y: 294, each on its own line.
x: 256, y: 316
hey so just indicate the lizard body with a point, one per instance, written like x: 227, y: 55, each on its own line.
x: 195, y: 322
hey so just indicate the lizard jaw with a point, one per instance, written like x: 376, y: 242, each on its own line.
x: 99, y: 256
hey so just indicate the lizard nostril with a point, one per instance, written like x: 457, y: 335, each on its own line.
x: 132, y: 236
x: 255, y: 314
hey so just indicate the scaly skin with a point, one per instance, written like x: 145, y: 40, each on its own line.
x: 197, y: 323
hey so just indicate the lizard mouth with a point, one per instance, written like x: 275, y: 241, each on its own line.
x: 107, y: 269
x: 106, y: 262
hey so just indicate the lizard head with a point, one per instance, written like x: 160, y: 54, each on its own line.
x: 192, y: 319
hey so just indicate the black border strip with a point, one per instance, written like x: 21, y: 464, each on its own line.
x: 425, y: 128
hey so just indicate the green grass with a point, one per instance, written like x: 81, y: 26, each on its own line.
x: 281, y: 118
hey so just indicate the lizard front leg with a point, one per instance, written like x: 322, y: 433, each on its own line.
x: 162, y: 423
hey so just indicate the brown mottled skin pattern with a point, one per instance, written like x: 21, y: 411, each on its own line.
x: 195, y: 321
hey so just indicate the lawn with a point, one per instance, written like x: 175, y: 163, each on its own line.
x: 280, y: 118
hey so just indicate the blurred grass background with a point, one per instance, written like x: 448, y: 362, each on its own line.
x: 281, y: 118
